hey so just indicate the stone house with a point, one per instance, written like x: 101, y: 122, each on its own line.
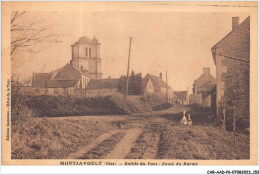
x: 203, y: 87
x: 231, y: 56
x: 102, y: 86
x: 66, y: 80
x: 155, y: 84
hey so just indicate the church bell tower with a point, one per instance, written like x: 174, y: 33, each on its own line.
x: 86, y: 56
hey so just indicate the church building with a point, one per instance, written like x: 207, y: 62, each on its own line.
x: 86, y: 56
x: 72, y: 78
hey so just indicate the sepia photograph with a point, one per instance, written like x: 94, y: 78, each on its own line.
x: 126, y: 83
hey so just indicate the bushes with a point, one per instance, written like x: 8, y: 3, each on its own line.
x: 20, y: 112
x: 55, y: 106
x: 68, y: 106
x: 154, y: 99
x: 131, y: 104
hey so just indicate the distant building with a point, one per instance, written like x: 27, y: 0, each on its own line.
x: 63, y: 81
x: 102, y: 86
x: 155, y: 84
x: 86, y: 56
x: 182, y: 97
x: 203, y: 88
x: 231, y: 56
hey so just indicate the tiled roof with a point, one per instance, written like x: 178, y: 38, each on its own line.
x: 62, y: 83
x: 66, y: 76
x: 237, y: 49
x: 40, y: 79
x: 156, y: 81
x: 66, y: 72
x: 204, y: 78
x: 102, y: 84
x: 41, y: 76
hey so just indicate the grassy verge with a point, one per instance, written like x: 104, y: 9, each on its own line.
x: 201, y: 142
x: 54, y: 138
x: 55, y: 106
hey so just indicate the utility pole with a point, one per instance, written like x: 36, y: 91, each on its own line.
x: 166, y: 87
x: 127, y: 76
x: 234, y: 124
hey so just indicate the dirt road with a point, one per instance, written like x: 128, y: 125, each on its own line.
x: 140, y: 135
x: 159, y: 135
x: 151, y: 135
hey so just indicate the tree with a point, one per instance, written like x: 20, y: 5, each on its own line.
x: 30, y: 34
x: 26, y: 33
x: 193, y: 87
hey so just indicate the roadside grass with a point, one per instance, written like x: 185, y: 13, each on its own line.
x: 53, y: 138
x: 204, y: 140
x: 56, y: 138
x: 201, y: 142
x: 60, y: 106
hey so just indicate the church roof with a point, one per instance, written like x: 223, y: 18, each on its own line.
x: 66, y: 76
x: 86, y: 40
x: 67, y: 72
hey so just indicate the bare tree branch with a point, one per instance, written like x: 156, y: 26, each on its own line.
x: 24, y: 35
x: 12, y: 20
x: 16, y: 15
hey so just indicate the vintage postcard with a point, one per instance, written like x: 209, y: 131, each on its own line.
x: 129, y: 83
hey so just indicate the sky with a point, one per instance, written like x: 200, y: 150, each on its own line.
x: 177, y: 42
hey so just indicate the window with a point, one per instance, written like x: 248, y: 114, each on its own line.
x: 89, y: 52
x: 86, y: 51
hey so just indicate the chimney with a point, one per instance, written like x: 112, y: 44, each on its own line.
x: 206, y: 70
x: 235, y: 22
x: 160, y: 75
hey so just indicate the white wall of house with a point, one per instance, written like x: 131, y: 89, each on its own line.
x: 149, y: 87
